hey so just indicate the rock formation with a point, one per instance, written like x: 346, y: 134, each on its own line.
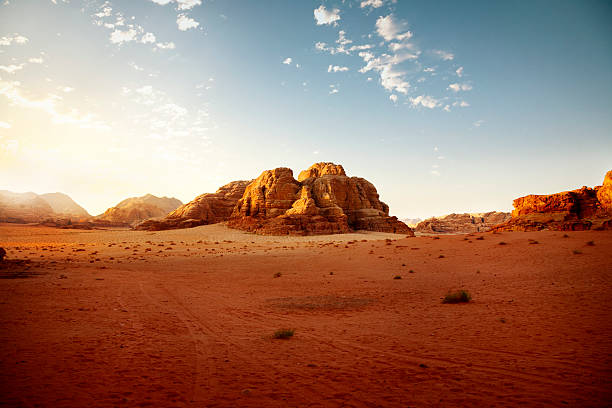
x: 411, y: 222
x: 63, y: 204
x: 322, y: 201
x: 205, y: 209
x: 582, y: 209
x: 462, y: 223
x: 136, y: 209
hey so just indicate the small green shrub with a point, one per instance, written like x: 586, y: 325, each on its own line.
x: 283, y: 333
x: 460, y: 296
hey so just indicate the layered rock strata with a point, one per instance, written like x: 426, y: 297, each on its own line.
x: 462, y: 223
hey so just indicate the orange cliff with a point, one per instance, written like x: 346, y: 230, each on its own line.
x: 582, y: 209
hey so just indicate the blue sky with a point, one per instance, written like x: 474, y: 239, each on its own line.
x: 444, y: 106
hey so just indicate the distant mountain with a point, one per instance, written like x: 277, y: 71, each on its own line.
x: 411, y: 222
x: 63, y: 204
x: 136, y: 209
x: 23, y: 207
x: 462, y: 223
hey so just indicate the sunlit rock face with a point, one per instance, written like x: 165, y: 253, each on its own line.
x: 322, y: 201
x: 209, y: 208
x: 136, y: 209
x: 462, y: 223
x: 582, y: 209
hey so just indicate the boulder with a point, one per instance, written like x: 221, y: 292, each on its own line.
x: 582, y: 209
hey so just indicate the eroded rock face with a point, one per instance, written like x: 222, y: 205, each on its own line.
x: 208, y: 208
x: 582, y: 209
x: 322, y: 201
x: 462, y: 223
x: 23, y: 207
x: 136, y: 209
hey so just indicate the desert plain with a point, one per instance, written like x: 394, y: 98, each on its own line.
x: 186, y: 318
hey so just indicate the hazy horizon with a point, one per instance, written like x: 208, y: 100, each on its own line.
x: 444, y: 107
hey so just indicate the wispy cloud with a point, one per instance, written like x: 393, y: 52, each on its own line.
x: 444, y: 55
x: 425, y: 101
x: 324, y: 16
x: 336, y: 68
x: 372, y: 3
x: 390, y: 29
x: 180, y: 4
x: 456, y: 87
x: 287, y: 61
x: 11, y: 69
x: 14, y: 38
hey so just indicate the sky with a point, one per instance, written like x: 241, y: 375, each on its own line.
x: 444, y: 106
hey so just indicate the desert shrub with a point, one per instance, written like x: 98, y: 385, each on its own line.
x: 479, y: 238
x: 277, y: 275
x: 576, y: 252
x: 502, y: 243
x: 460, y: 296
x: 283, y: 333
x: 397, y: 277
x: 590, y: 243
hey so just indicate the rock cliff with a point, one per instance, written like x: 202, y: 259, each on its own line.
x: 322, y: 201
x: 582, y: 209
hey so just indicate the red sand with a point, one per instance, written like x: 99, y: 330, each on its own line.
x: 122, y: 325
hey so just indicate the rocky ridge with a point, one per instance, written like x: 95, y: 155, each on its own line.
x: 462, y: 223
x: 208, y: 208
x: 582, y: 209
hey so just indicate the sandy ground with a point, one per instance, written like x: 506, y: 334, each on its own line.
x: 185, y: 318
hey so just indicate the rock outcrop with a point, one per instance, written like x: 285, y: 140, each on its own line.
x: 208, y: 208
x: 322, y: 201
x: 462, y: 223
x: 136, y: 209
x: 582, y: 209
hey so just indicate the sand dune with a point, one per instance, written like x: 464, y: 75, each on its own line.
x: 185, y: 318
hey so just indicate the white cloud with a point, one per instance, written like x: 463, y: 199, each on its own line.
x: 435, y: 172
x: 324, y: 16
x: 38, y: 60
x: 342, y: 40
x: 447, y: 108
x: 425, y: 101
x: 135, y: 67
x: 371, y: 3
x: 336, y: 68
x: 148, y: 38
x: 333, y: 89
x: 393, y: 97
x: 429, y: 69
x: 390, y: 78
x: 180, y: 4
x: 119, y: 37
x: 459, y: 72
x: 478, y: 123
x: 461, y: 104
x: 186, y: 23
x: 287, y: 61
x: 166, y: 46
x: 11, y: 69
x: 390, y: 29
x: 459, y: 87
x: 5, y: 125
x: 67, y: 89
x: 444, y: 55
x: 14, y: 38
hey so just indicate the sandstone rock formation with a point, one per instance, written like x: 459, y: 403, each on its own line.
x: 136, y: 209
x: 322, y: 201
x: 462, y: 223
x: 205, y: 209
x: 581, y: 209
x: 63, y: 204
